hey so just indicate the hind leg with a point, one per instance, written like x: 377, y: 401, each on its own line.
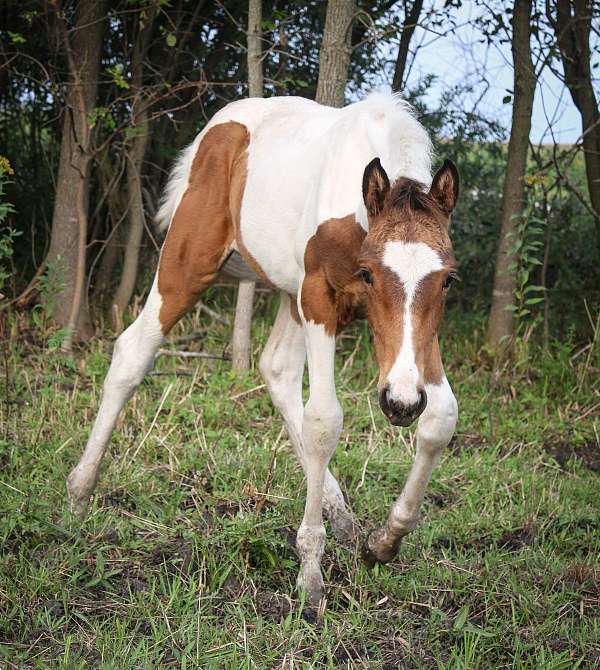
x: 282, y: 367
x: 182, y: 275
x: 133, y: 357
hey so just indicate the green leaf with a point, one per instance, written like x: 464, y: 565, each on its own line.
x: 506, y: 99
x: 133, y: 131
x: 470, y: 628
x: 171, y: 40
x: 16, y: 38
x: 533, y: 287
x: 534, y: 301
x: 461, y: 617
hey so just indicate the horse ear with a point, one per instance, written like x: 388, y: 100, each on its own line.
x: 375, y: 187
x: 444, y: 187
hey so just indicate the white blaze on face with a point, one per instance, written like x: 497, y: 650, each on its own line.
x: 412, y: 262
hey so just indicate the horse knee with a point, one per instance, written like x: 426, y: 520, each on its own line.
x: 133, y: 358
x: 281, y: 381
x: 322, y: 426
x: 438, y: 421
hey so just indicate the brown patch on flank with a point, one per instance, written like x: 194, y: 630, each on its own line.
x: 202, y: 228
x: 331, y: 290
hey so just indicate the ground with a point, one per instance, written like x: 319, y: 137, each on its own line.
x: 187, y: 558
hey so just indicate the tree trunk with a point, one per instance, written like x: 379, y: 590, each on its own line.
x: 66, y: 257
x: 411, y: 19
x: 135, y: 157
x: 110, y: 184
x: 134, y: 153
x: 255, y: 68
x: 573, y: 35
x: 334, y: 57
x: 242, y: 325
x: 501, y: 323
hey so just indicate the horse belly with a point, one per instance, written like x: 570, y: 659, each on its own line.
x: 277, y: 187
x: 268, y: 236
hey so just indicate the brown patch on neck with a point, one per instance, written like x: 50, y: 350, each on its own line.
x: 331, y: 291
x: 202, y: 229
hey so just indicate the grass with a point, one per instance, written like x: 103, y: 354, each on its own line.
x: 187, y: 558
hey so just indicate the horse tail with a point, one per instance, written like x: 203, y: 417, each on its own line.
x: 176, y: 185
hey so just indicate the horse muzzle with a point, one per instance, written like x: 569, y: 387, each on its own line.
x: 397, y: 413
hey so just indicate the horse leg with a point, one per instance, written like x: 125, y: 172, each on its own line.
x: 133, y: 357
x: 282, y: 366
x: 434, y: 431
x: 321, y: 427
x: 184, y: 271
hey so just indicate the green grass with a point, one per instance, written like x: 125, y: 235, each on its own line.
x: 186, y: 559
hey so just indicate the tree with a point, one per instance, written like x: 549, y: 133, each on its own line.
x: 572, y: 28
x: 67, y: 254
x: 135, y: 150
x: 501, y: 322
x: 411, y: 19
x: 241, y: 341
x: 335, y: 52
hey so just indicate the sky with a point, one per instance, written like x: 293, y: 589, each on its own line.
x: 460, y: 56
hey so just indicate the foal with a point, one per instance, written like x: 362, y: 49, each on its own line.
x: 274, y: 186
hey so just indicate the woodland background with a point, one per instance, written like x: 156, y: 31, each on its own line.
x: 187, y: 556
x: 97, y: 97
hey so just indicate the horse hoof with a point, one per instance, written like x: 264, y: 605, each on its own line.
x: 374, y: 551
x: 345, y: 529
x: 78, y: 497
x: 310, y: 582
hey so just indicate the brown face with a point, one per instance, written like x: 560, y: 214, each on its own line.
x: 406, y: 265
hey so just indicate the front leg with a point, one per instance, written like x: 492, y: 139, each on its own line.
x: 321, y: 427
x: 434, y: 431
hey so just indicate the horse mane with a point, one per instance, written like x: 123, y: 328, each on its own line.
x: 410, y: 194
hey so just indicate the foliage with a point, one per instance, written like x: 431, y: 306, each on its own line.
x: 187, y: 80
x: 7, y: 234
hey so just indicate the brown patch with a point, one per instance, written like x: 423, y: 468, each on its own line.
x: 409, y: 214
x: 433, y: 370
x: 331, y: 290
x: 202, y: 228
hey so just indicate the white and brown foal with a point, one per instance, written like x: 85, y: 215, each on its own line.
x: 281, y: 185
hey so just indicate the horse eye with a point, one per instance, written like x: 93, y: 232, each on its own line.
x: 366, y: 276
x: 449, y: 279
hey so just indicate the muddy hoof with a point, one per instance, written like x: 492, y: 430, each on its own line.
x: 310, y: 582
x: 374, y: 551
x: 78, y: 496
x: 345, y: 529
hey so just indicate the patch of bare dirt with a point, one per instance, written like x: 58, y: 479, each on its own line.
x: 565, y: 453
x: 273, y: 605
x: 466, y: 442
x: 518, y: 539
x: 512, y: 540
